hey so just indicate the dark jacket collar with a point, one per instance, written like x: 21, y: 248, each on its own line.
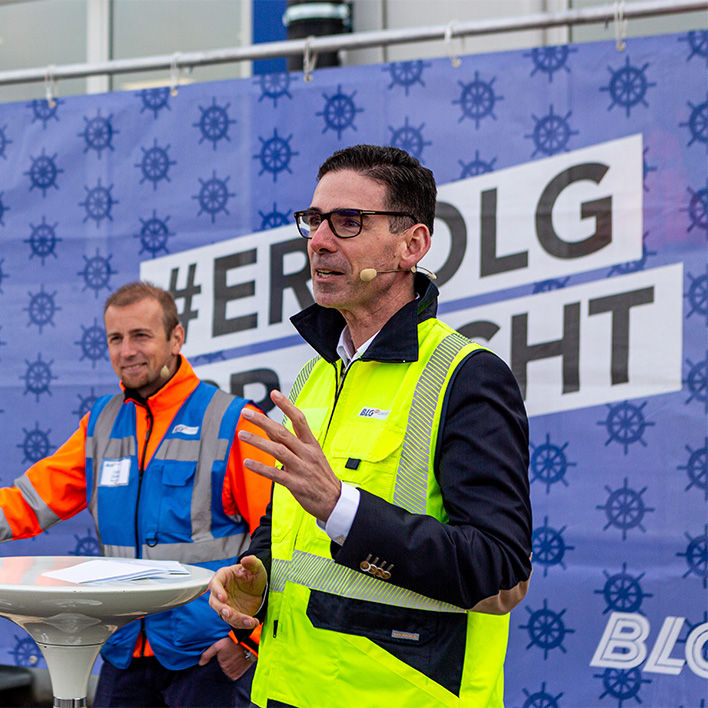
x: 397, y: 341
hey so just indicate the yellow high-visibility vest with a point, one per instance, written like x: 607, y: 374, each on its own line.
x: 378, y: 427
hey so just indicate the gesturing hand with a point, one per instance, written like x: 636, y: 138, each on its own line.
x: 305, y: 472
x: 237, y: 592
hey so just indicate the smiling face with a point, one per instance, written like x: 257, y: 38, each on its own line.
x: 139, y: 346
x: 336, y: 264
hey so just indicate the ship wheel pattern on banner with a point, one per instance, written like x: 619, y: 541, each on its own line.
x: 94, y: 188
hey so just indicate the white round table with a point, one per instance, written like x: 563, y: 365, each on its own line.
x: 70, y: 622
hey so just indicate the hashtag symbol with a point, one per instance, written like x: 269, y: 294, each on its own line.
x: 186, y: 293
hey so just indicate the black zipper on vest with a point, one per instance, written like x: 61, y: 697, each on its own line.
x: 141, y: 470
x: 138, y: 549
x: 337, y: 390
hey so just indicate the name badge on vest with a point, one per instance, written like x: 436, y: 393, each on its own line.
x: 114, y: 473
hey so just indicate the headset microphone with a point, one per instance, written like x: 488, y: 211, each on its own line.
x: 165, y: 370
x: 368, y: 274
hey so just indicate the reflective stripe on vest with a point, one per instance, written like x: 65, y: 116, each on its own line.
x: 5, y: 530
x: 302, y: 378
x: 412, y: 478
x: 102, y: 431
x: 318, y: 573
x: 226, y: 547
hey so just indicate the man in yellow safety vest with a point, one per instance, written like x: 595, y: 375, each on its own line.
x: 399, y: 534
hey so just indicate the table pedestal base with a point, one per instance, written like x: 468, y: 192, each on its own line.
x: 69, y: 703
x: 69, y: 669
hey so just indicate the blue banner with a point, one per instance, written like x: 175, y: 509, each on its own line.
x: 571, y: 238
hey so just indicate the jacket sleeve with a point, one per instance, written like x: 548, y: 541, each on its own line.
x: 245, y: 492
x: 480, y: 557
x: 51, y: 490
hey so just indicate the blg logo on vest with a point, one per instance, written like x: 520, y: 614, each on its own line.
x: 185, y: 429
x: 373, y: 413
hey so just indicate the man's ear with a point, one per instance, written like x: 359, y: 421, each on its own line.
x: 177, y: 339
x: 415, y: 246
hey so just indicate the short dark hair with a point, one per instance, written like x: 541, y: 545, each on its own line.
x: 410, y: 186
x: 142, y: 290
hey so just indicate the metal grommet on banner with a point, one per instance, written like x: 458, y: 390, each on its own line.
x: 50, y: 86
x: 309, y: 59
x: 620, y: 25
x: 454, y: 59
x: 174, y: 74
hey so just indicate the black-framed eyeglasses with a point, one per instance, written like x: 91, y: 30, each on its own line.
x: 344, y: 223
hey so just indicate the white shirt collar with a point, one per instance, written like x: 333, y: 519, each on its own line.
x: 345, y: 347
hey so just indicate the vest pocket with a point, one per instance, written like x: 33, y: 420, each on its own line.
x: 172, y: 521
x: 371, y: 441
x: 367, y: 455
x: 176, y: 473
x: 430, y: 642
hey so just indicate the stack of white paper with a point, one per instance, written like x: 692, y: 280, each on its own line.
x: 172, y: 567
x: 104, y: 570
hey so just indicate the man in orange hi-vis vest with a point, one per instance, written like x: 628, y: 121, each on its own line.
x: 160, y: 468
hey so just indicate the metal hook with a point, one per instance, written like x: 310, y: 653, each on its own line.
x: 454, y: 59
x: 309, y: 59
x: 50, y: 86
x: 620, y: 26
x: 174, y: 74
